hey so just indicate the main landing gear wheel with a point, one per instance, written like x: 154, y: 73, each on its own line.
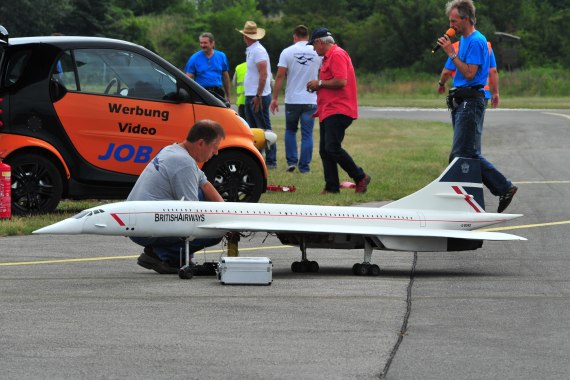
x: 305, y: 266
x: 366, y: 269
x: 186, y: 273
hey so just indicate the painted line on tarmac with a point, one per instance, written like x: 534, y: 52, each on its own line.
x: 104, y: 258
x: 557, y: 114
x: 537, y: 225
x: 540, y: 182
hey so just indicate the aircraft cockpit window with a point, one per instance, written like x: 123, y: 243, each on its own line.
x: 96, y: 212
x: 81, y: 214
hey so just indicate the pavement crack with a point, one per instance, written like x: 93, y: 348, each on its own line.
x: 404, y: 329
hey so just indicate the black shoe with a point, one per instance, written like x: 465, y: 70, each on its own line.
x: 505, y: 199
x: 149, y: 260
x: 291, y: 168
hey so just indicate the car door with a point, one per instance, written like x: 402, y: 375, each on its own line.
x: 117, y: 108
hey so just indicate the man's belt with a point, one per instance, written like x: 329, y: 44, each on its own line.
x: 459, y: 94
x: 466, y: 92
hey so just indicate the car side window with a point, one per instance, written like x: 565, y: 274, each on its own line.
x: 16, y: 66
x: 63, y: 72
x: 122, y: 73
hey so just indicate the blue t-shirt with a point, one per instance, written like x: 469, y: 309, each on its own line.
x: 473, y: 50
x: 207, y: 71
x: 449, y: 65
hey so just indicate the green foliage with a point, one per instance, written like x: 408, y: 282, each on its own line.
x: 33, y: 17
x: 85, y: 18
x: 144, y: 7
x: 378, y: 34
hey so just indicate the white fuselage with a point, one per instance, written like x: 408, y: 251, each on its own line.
x: 212, y: 219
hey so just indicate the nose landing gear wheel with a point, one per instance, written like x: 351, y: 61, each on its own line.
x: 185, y: 273
x: 305, y: 266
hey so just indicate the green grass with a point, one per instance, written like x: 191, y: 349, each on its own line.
x: 376, y: 100
x: 24, y: 225
x: 533, y: 88
x: 401, y: 157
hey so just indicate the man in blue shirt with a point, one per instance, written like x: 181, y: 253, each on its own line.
x: 491, y: 87
x: 472, y: 62
x: 209, y: 67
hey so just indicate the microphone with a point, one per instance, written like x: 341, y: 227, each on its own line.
x: 450, y: 33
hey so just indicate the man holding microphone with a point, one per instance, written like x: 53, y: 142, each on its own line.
x: 467, y: 100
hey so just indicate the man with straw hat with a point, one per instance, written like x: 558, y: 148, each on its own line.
x: 257, y: 85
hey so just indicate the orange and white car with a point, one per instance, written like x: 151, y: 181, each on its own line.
x: 81, y: 116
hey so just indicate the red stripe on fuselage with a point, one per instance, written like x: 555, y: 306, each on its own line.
x: 116, y: 217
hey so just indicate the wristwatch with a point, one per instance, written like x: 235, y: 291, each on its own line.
x: 453, y: 56
x: 320, y: 83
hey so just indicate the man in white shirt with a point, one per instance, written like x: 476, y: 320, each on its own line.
x: 300, y: 63
x: 257, y: 85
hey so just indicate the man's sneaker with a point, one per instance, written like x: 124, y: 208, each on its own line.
x: 149, y: 260
x: 362, y: 185
x: 505, y: 199
x: 291, y: 168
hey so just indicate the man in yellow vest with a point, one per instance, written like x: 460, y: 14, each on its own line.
x: 237, y: 81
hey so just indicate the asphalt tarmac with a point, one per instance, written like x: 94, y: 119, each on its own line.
x: 80, y: 307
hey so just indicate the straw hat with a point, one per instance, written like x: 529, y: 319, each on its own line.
x: 251, y: 30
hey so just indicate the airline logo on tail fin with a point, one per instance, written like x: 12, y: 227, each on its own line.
x: 464, y: 170
x: 458, y: 188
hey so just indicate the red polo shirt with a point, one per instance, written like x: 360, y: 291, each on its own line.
x: 337, y: 64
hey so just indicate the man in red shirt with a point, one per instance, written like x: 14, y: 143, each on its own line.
x: 337, y: 107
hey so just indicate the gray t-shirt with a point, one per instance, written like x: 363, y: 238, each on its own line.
x: 171, y: 175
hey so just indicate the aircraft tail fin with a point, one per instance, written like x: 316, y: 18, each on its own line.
x: 458, y: 188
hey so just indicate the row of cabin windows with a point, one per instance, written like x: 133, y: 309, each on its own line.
x: 292, y: 214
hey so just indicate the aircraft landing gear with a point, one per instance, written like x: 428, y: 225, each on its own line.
x: 185, y: 273
x: 366, y: 269
x: 304, y: 265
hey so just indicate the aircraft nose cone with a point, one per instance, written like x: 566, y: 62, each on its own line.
x: 69, y: 226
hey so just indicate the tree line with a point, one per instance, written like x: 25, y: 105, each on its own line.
x: 379, y: 34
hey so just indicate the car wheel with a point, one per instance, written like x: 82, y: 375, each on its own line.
x: 236, y: 176
x: 36, y: 185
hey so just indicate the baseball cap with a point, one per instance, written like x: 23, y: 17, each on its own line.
x: 318, y: 33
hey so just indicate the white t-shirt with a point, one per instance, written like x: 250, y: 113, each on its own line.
x: 256, y: 53
x: 302, y: 63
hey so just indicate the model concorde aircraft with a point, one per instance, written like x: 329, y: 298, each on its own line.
x: 443, y: 216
